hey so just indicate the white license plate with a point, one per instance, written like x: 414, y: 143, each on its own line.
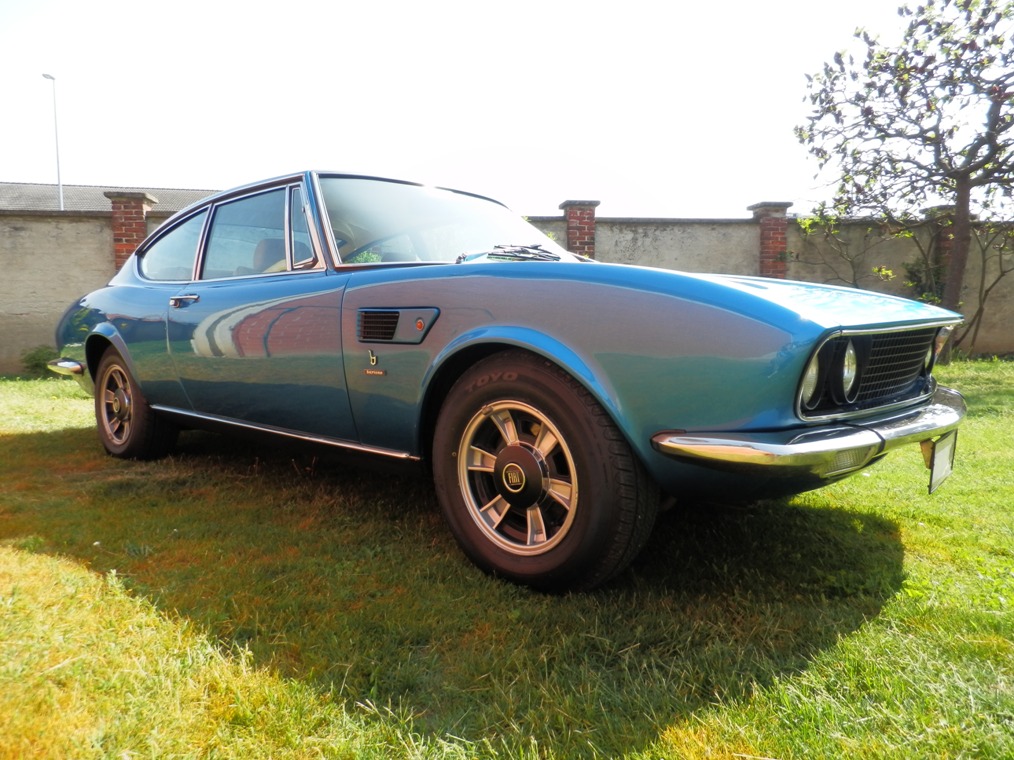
x: 941, y: 458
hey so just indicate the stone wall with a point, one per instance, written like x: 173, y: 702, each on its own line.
x: 47, y: 261
x: 692, y: 245
x: 50, y: 258
x: 867, y: 250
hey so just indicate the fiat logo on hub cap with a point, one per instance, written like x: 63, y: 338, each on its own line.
x: 514, y: 478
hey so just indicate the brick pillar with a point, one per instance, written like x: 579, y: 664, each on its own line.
x: 580, y: 216
x: 773, y: 221
x: 130, y: 225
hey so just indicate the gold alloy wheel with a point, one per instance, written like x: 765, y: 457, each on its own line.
x: 517, y: 477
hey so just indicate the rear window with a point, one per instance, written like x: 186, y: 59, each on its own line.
x: 171, y: 257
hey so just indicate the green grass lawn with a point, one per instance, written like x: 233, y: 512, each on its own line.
x: 244, y: 600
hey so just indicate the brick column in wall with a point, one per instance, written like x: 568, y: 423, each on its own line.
x: 580, y: 216
x: 130, y: 222
x: 773, y: 221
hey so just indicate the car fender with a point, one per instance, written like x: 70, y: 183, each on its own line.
x: 101, y: 336
x: 464, y: 350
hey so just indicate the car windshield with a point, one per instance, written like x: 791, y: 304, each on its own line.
x: 385, y: 221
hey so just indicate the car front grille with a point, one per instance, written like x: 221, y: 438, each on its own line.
x: 895, y: 365
x: 892, y: 370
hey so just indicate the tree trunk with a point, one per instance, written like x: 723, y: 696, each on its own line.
x: 959, y: 246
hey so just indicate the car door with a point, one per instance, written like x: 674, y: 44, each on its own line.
x: 163, y: 266
x: 255, y: 339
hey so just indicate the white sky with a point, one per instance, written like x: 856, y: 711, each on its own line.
x: 669, y: 108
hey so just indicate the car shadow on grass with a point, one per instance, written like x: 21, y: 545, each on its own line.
x: 346, y: 578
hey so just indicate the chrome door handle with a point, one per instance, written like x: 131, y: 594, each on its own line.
x: 178, y: 301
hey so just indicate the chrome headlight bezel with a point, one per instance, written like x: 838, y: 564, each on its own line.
x: 810, y: 389
x: 849, y: 373
x: 943, y: 335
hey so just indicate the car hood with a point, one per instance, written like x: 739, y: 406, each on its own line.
x: 796, y: 307
x: 786, y: 303
x: 833, y: 306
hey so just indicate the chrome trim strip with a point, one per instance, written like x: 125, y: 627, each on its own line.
x: 823, y: 452
x: 846, y: 416
x: 306, y: 437
x: 325, y: 222
x: 894, y: 328
x: 68, y: 367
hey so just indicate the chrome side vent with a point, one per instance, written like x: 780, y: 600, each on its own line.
x: 377, y: 326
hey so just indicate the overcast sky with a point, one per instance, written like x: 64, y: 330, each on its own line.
x: 666, y: 108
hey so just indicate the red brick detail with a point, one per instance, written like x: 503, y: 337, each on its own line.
x: 772, y: 248
x: 772, y: 259
x: 580, y: 218
x: 130, y: 222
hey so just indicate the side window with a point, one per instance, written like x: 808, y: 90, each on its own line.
x: 302, y: 248
x: 247, y: 237
x: 172, y: 255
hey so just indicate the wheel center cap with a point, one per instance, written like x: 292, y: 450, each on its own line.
x: 519, y: 475
x: 120, y: 405
x: 514, y: 479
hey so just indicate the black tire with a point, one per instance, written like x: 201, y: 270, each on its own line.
x: 536, y: 482
x: 128, y: 427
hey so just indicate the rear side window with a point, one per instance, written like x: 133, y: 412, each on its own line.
x: 247, y: 237
x: 171, y: 257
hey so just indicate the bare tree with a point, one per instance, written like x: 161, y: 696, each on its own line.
x: 994, y: 243
x: 844, y: 249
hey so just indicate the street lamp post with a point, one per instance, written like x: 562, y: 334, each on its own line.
x: 56, y: 134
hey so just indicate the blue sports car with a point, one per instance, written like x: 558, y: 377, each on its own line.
x: 557, y: 400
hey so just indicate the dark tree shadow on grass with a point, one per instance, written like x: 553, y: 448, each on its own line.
x: 346, y: 578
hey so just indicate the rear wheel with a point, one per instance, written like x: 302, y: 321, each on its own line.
x: 128, y: 427
x: 536, y: 482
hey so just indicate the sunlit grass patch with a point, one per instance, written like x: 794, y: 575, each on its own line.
x: 92, y: 671
x: 245, y: 600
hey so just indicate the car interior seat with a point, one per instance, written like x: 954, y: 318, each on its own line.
x: 269, y: 256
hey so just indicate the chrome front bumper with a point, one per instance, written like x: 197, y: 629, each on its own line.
x: 68, y: 367
x: 825, y: 452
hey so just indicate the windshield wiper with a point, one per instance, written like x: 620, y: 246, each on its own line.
x: 511, y: 253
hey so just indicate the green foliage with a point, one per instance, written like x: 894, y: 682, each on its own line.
x: 883, y: 273
x: 924, y: 280
x: 34, y: 360
x: 844, y: 249
x: 365, y: 257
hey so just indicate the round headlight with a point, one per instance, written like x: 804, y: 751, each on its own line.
x: 850, y: 373
x: 808, y: 393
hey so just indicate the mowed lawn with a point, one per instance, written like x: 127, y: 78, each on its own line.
x: 245, y: 600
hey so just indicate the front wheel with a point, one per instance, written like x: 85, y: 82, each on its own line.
x: 536, y: 482
x: 128, y: 427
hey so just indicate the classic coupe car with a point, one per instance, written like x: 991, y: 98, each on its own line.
x: 557, y: 400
